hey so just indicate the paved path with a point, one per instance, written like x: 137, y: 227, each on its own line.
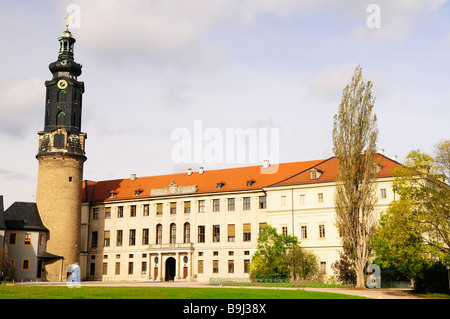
x: 369, y: 293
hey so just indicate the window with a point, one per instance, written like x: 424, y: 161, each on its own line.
x: 120, y: 212
x: 247, y: 234
x: 159, y: 209
x: 216, y: 205
x: 94, y: 239
x: 383, y: 193
x: 215, y: 266
x: 159, y: 234
x: 106, y: 238
x: 12, y: 238
x: 320, y: 197
x: 132, y: 240
x: 283, y: 200
x: 146, y: 210
x: 201, y: 234
x: 145, y: 233
x: 246, y: 266
x: 231, y: 266
x: 173, y: 233
x: 41, y: 239
x: 133, y: 211
x: 231, y: 204
x: 200, y: 266
x: 284, y: 230
x: 117, y: 270
x: 105, y: 268
x: 119, y: 238
x: 25, y: 264
x: 304, y: 232
x: 262, y: 202
x: 231, y: 232
x: 27, y: 239
x: 95, y: 213
x: 107, y: 212
x: 250, y: 183
x: 321, y: 231
x: 144, y: 267
x: 323, y: 268
x: 246, y: 203
x: 216, y: 233
x: 187, y: 207
x: 302, y: 199
x: 262, y: 226
x: 187, y: 233
x: 130, y: 268
x: 201, y: 206
x: 173, y: 208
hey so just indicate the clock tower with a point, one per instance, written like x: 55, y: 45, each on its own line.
x: 61, y: 155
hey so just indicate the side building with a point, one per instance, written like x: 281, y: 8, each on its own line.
x: 199, y: 225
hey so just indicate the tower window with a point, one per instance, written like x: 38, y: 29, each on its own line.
x: 59, y: 140
x: 70, y: 179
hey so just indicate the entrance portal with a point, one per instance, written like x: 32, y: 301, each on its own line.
x: 170, y: 269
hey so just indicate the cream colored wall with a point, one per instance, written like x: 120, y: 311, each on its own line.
x: 310, y: 214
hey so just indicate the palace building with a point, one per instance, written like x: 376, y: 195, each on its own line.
x: 205, y: 224
x: 190, y: 226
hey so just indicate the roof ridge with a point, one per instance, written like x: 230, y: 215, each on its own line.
x: 283, y: 180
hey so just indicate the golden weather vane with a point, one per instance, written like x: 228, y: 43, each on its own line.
x: 67, y: 18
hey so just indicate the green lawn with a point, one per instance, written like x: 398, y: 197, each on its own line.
x: 63, y: 292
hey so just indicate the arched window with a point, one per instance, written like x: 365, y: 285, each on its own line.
x: 61, y: 96
x: 187, y: 233
x: 60, y: 118
x: 173, y: 233
x: 159, y: 234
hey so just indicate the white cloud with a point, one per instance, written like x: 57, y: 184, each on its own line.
x: 21, y: 104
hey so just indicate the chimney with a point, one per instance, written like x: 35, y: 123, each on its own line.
x: 133, y: 177
x: 1, y: 204
x: 381, y: 151
x: 266, y: 164
x: 200, y: 170
x: 189, y: 171
x: 394, y: 158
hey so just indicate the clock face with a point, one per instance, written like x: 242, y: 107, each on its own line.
x: 63, y: 62
x: 62, y: 84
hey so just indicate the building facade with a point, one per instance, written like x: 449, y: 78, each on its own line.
x: 201, y: 225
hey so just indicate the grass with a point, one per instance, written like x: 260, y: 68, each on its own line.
x: 60, y: 292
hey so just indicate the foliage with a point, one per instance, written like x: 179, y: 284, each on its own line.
x: 344, y: 269
x: 269, y: 261
x: 414, y: 232
x: 354, y: 143
x: 302, y: 263
x: 279, y: 257
x: 7, y: 268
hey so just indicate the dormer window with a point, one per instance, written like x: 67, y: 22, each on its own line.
x: 220, y: 185
x: 138, y: 191
x: 315, y: 173
x: 112, y: 194
x: 250, y: 182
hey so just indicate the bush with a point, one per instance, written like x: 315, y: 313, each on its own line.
x: 432, y: 279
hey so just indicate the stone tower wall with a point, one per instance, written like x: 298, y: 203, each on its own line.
x: 58, y: 198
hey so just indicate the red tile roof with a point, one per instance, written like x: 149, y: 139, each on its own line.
x: 234, y: 179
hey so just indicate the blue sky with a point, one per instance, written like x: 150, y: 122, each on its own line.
x: 152, y: 66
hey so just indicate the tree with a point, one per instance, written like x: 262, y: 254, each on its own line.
x: 414, y: 232
x: 354, y: 144
x: 269, y: 261
x: 302, y: 263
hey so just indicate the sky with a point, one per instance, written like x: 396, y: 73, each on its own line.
x: 155, y: 68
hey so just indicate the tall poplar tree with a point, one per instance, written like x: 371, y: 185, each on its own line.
x: 354, y: 144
